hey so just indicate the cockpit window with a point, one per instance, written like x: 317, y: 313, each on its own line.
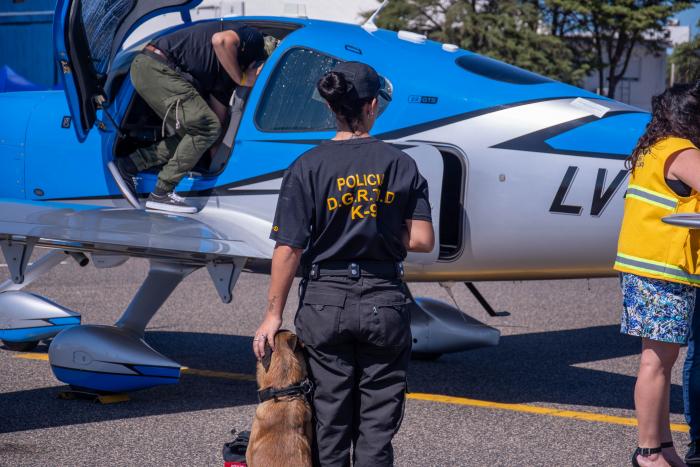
x: 493, y: 69
x: 291, y: 102
x: 101, y: 20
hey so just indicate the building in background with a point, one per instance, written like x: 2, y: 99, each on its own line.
x: 646, y: 75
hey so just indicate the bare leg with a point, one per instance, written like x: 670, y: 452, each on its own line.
x: 651, y: 397
x: 669, y: 454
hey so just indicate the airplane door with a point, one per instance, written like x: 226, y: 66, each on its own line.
x: 87, y: 36
x: 430, y: 165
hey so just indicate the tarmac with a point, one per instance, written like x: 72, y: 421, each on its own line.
x: 557, y: 391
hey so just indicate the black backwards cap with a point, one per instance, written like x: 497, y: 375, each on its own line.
x: 252, y: 47
x: 363, y: 79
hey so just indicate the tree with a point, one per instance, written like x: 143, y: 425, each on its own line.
x: 614, y: 28
x: 563, y: 39
x: 685, y: 60
x: 506, y: 30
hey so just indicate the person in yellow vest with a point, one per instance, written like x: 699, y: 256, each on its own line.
x: 660, y: 263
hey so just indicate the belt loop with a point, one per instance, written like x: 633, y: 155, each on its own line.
x: 314, y: 271
x: 399, y: 270
x: 354, y: 271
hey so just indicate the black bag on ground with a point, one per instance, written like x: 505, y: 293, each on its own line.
x: 234, y: 451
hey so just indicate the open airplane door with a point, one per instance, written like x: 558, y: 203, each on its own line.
x: 87, y: 36
x: 430, y: 165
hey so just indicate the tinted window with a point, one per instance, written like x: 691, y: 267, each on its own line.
x: 493, y: 69
x: 291, y: 102
x: 101, y: 20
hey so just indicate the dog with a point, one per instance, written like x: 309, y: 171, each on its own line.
x: 282, y: 431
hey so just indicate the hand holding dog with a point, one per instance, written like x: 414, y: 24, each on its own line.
x: 266, y: 333
x: 285, y: 261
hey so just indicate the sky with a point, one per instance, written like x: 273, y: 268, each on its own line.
x: 690, y: 18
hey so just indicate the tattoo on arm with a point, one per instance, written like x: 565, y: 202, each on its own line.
x: 271, y: 302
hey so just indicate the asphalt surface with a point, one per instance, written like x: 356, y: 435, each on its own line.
x: 560, y: 349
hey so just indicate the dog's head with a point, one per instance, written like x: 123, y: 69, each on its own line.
x: 285, y: 366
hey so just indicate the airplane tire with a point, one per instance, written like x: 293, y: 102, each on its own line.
x: 20, y: 346
x: 425, y: 356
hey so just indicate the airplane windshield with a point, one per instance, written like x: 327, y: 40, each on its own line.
x: 101, y: 20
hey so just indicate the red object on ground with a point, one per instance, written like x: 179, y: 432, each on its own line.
x: 235, y: 464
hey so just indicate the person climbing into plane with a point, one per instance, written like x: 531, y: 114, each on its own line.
x: 187, y: 77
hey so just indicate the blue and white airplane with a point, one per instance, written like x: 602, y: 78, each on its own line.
x: 526, y: 177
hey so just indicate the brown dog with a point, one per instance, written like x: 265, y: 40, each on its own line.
x: 282, y: 431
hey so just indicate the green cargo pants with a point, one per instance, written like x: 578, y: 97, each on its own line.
x: 179, y: 104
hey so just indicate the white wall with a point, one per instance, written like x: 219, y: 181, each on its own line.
x: 345, y: 11
x: 645, y: 77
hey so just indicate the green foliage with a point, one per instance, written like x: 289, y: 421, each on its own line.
x: 505, y: 30
x: 686, y: 58
x: 562, y: 39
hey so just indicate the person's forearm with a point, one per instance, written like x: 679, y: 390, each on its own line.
x: 226, y: 50
x: 285, y: 261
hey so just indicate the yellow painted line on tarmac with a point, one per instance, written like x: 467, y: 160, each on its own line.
x: 452, y: 400
x: 537, y: 410
x: 33, y: 356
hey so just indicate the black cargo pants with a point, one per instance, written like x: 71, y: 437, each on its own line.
x: 357, y: 338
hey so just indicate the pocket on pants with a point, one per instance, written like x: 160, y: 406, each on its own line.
x: 318, y: 319
x: 387, y: 324
x: 396, y: 324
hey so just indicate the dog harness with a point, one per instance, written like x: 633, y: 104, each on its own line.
x: 302, y: 389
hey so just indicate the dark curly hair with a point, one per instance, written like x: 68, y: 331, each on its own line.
x: 342, y: 98
x: 675, y: 112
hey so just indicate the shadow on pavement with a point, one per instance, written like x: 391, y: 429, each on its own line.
x: 539, y: 367
x: 524, y: 368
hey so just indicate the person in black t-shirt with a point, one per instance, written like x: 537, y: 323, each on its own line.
x: 348, y: 211
x: 187, y: 77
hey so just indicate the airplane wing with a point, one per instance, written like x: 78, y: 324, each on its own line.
x: 692, y: 221
x: 204, y: 237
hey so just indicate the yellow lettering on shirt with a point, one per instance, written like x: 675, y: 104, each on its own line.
x: 332, y: 204
x: 363, y: 202
x: 356, y: 212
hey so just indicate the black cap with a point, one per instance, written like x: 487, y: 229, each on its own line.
x: 252, y: 47
x: 364, y: 79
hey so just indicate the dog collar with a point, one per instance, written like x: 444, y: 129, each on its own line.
x: 302, y: 389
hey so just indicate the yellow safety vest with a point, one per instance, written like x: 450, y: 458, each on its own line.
x: 647, y: 246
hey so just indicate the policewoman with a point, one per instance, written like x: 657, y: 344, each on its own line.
x: 349, y: 210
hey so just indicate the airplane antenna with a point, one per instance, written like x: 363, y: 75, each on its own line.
x: 369, y: 25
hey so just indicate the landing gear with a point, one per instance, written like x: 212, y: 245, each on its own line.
x: 116, y: 358
x: 483, y: 302
x: 20, y: 346
x: 439, y: 328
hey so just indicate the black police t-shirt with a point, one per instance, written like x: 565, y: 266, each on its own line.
x: 348, y: 201
x: 191, y: 51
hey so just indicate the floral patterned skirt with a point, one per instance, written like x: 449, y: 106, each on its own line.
x: 656, y: 309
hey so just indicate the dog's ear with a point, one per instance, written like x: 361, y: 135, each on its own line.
x: 296, y: 343
x: 267, y: 358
